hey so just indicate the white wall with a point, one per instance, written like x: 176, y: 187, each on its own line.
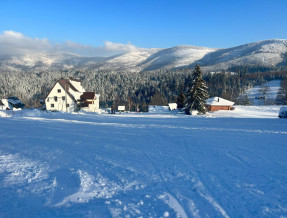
x: 60, y: 104
x: 93, y: 107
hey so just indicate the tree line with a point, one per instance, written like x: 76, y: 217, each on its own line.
x: 134, y: 90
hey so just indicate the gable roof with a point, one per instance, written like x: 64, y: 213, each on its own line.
x: 217, y: 101
x: 66, y: 85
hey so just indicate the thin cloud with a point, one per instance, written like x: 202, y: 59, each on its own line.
x: 16, y: 44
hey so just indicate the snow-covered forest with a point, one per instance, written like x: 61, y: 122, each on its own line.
x: 132, y: 89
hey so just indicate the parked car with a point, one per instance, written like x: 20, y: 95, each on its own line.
x: 283, y: 112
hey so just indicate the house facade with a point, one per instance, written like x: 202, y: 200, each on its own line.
x: 67, y: 95
x: 11, y: 103
x: 216, y: 103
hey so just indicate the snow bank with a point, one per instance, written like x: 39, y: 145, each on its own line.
x: 270, y: 112
x: 4, y: 114
x: 158, y: 109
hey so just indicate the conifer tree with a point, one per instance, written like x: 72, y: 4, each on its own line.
x: 180, y: 100
x: 197, y: 94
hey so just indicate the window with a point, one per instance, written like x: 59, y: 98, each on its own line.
x: 55, y: 98
x: 52, y: 105
x: 59, y: 90
x: 63, y: 98
x: 67, y: 105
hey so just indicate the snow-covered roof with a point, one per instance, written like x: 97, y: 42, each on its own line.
x: 12, y: 102
x: 217, y: 101
x: 158, y: 109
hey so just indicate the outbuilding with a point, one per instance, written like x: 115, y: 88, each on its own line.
x: 11, y: 103
x: 217, y: 103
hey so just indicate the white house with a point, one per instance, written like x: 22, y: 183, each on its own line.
x: 11, y: 103
x: 68, y: 95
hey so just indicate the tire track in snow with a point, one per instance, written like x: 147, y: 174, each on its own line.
x: 168, y: 197
x: 198, y: 184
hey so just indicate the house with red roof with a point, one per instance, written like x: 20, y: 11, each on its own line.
x: 217, y: 103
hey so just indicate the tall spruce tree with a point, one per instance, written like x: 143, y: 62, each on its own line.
x: 180, y: 100
x: 197, y: 94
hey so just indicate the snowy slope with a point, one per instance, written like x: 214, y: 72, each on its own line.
x: 129, y: 61
x: 268, y: 53
x: 174, y: 57
x: 84, y: 165
x: 257, y: 98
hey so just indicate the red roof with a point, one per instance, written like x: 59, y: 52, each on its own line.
x: 87, y: 95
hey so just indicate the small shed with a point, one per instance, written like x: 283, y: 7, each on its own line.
x: 172, y: 106
x: 217, y: 103
x: 12, y: 103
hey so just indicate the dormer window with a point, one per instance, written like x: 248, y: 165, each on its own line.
x: 59, y: 90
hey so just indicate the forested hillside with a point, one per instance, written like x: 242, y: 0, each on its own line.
x: 132, y: 89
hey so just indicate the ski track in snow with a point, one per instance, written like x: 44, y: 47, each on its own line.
x: 141, y: 126
x: 173, y: 203
x: 93, y: 187
x: 157, y: 166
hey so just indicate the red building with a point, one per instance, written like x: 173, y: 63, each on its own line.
x: 216, y: 103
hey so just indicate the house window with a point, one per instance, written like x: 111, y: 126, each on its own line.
x: 59, y: 90
x: 55, y: 98
x: 63, y: 98
x: 67, y: 105
x: 52, y: 105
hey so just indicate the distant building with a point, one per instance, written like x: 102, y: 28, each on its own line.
x: 121, y: 108
x: 216, y: 103
x: 158, y: 109
x: 68, y: 95
x: 2, y: 106
x: 172, y: 106
x: 11, y: 103
x: 89, y: 101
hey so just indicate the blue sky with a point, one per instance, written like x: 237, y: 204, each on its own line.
x: 147, y: 23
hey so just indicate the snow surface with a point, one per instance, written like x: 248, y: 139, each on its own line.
x: 143, y: 165
x: 254, y: 94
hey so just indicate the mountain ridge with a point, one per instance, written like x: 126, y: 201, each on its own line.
x: 265, y: 53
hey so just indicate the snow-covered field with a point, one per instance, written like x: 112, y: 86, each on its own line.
x: 149, y: 165
x: 255, y: 94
